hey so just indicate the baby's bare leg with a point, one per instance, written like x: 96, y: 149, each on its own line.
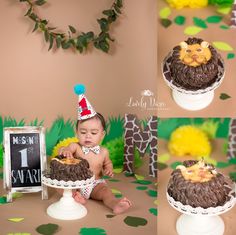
x: 103, y: 193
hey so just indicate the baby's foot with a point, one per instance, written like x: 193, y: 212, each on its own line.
x: 122, y: 205
x: 79, y: 198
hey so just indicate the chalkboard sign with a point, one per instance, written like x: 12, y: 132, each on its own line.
x: 24, y: 160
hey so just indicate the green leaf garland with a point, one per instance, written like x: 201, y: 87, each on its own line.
x: 74, y: 38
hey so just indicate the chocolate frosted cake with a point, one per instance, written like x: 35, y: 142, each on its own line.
x: 194, y: 64
x: 198, y: 184
x: 69, y: 169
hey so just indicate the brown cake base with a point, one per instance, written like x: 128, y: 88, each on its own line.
x: 213, y: 193
x: 60, y: 170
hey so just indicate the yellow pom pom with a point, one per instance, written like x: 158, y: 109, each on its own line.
x: 178, y: 4
x: 63, y: 143
x: 189, y: 140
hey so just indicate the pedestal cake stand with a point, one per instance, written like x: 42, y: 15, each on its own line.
x: 200, y: 221
x: 191, y: 99
x: 67, y: 208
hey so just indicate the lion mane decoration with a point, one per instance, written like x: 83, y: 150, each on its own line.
x: 194, y: 64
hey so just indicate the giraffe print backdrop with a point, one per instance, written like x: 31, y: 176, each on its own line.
x: 141, y: 139
x: 231, y: 152
x: 233, y: 15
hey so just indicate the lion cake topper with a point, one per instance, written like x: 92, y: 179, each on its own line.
x: 195, y: 54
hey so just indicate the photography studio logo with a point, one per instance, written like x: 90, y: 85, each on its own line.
x: 146, y: 101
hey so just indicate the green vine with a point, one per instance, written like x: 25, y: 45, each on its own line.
x: 75, y: 39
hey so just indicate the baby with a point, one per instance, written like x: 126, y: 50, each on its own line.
x: 90, y: 134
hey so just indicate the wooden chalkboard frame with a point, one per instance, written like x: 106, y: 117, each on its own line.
x: 7, y: 167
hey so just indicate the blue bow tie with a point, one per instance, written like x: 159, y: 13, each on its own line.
x: 95, y: 149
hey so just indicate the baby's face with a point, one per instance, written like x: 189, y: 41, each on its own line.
x: 90, y: 132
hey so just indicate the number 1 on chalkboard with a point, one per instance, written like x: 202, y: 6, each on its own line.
x: 24, y: 159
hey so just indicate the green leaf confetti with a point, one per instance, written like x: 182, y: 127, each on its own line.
x: 166, y: 22
x: 164, y: 12
x: 175, y: 164
x: 47, y: 229
x: 163, y: 157
x: 199, y: 22
x: 141, y: 187
x: 179, y: 20
x: 230, y: 56
x: 224, y: 96
x: 224, y: 27
x: 232, y: 176
x: 192, y: 30
x: 152, y: 193
x: 92, y: 231
x: 214, y: 19
x: 16, y: 219
x: 222, y: 46
x: 153, y: 211
x: 135, y: 221
x: 222, y: 164
x: 144, y: 182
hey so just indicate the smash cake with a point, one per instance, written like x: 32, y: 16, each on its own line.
x: 69, y: 169
x: 194, y: 64
x: 198, y: 184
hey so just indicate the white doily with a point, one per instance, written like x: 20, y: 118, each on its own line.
x: 170, y: 81
x: 189, y: 210
x: 68, y: 184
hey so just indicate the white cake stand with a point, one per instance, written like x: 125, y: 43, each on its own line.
x: 192, y: 99
x: 67, y: 208
x: 200, y: 221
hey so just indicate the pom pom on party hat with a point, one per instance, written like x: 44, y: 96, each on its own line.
x: 85, y: 109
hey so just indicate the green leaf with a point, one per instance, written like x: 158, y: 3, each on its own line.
x: 72, y: 29
x: 232, y: 176
x: 36, y: 26
x: 230, y: 55
x: 199, y: 22
x: 166, y: 22
x: 16, y: 219
x: 92, y: 231
x: 47, y: 229
x: 161, y: 166
x: 214, y: 19
x: 153, y: 211
x: 50, y: 41
x: 222, y: 46
x: 135, y: 221
x: 114, y: 180
x: 224, y: 10
x: 40, y: 2
x: 33, y: 17
x: 65, y: 44
x: 192, y: 30
x: 152, y: 193
x: 108, y: 12
x: 163, y: 157
x: 117, y: 9
x: 164, y: 12
x: 141, y: 187
x: 46, y: 35
x: 175, y: 164
x: 28, y: 12
x: 103, y: 24
x: 119, y: 3
x: 143, y: 182
x: 224, y: 27
x: 224, y: 96
x: 3, y: 200
x: 110, y: 216
x: 58, y: 41
x: 222, y: 164
x: 232, y: 161
x: 179, y: 20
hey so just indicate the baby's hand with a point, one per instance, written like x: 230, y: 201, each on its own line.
x: 66, y: 153
x: 108, y: 173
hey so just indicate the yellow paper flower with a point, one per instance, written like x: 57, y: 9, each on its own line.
x: 178, y: 4
x: 189, y: 140
x: 63, y: 143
